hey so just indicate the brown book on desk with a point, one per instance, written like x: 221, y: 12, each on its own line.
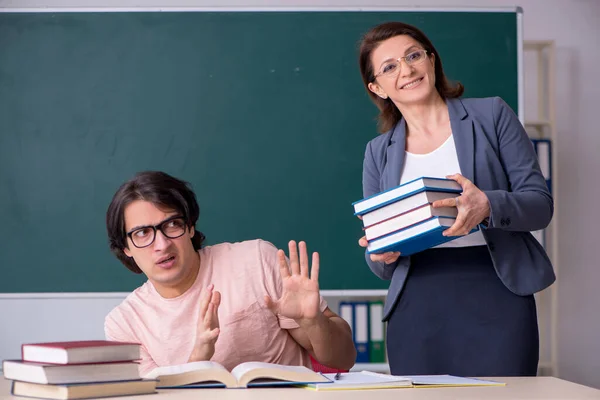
x: 209, y: 374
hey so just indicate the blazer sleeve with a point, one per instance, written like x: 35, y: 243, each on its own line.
x: 371, y: 185
x: 528, y: 206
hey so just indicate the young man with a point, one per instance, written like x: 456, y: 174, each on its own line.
x: 230, y: 303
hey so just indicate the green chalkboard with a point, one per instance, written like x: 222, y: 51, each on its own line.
x: 263, y: 112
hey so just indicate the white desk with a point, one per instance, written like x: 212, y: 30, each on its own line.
x: 539, y: 388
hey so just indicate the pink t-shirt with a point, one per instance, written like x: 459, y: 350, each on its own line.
x: 243, y: 272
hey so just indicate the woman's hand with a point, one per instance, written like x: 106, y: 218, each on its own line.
x: 473, y: 207
x: 388, y: 258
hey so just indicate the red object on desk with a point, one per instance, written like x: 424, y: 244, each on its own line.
x: 317, y: 367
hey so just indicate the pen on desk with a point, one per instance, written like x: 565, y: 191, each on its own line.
x: 337, y: 376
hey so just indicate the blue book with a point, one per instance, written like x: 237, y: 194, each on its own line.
x: 415, y: 238
x: 405, y: 190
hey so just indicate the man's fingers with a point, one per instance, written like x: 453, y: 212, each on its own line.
x: 205, y: 300
x: 216, y: 302
x: 216, y: 298
x: 214, y: 334
x: 283, y: 266
x: 294, y: 262
x: 303, y: 259
x: 210, y: 336
x: 271, y: 305
x: 314, y: 272
x: 209, y: 317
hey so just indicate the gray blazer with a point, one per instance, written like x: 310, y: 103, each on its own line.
x: 495, y: 153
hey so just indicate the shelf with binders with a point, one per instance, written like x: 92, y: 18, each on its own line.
x: 363, y: 310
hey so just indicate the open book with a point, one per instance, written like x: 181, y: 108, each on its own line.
x: 366, y: 380
x: 211, y: 374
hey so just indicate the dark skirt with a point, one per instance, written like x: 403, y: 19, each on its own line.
x: 456, y: 317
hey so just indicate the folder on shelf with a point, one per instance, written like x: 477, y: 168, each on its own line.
x: 356, y: 314
x: 376, y: 332
x: 361, y: 334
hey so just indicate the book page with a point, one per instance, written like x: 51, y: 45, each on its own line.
x: 183, y: 368
x: 248, y: 371
x: 198, y: 374
x: 242, y: 369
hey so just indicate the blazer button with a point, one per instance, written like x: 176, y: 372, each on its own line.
x: 502, y: 221
x: 491, y: 246
x: 507, y: 221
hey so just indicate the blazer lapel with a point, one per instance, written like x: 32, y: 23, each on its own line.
x: 395, y: 156
x: 462, y: 130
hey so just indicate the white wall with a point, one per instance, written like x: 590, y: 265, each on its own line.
x: 30, y: 318
x: 573, y: 25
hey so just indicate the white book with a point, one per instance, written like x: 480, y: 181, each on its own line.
x: 404, y: 205
x: 56, y: 374
x: 407, y: 219
x: 405, y: 190
x: 416, y: 238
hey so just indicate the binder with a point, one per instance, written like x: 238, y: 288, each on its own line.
x: 347, y: 314
x: 361, y: 333
x: 376, y: 333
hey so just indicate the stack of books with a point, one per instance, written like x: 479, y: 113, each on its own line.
x: 403, y: 218
x: 77, y: 370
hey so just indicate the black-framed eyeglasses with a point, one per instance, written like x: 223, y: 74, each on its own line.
x: 392, y: 67
x: 144, y: 236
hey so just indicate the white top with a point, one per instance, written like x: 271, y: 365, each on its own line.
x: 440, y: 163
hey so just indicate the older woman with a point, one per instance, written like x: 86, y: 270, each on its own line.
x: 465, y: 307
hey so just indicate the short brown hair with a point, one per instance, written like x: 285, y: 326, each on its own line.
x: 160, y: 189
x: 389, y: 115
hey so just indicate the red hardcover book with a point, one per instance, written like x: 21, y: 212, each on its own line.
x: 80, y: 352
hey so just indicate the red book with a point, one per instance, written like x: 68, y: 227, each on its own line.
x: 80, y: 352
